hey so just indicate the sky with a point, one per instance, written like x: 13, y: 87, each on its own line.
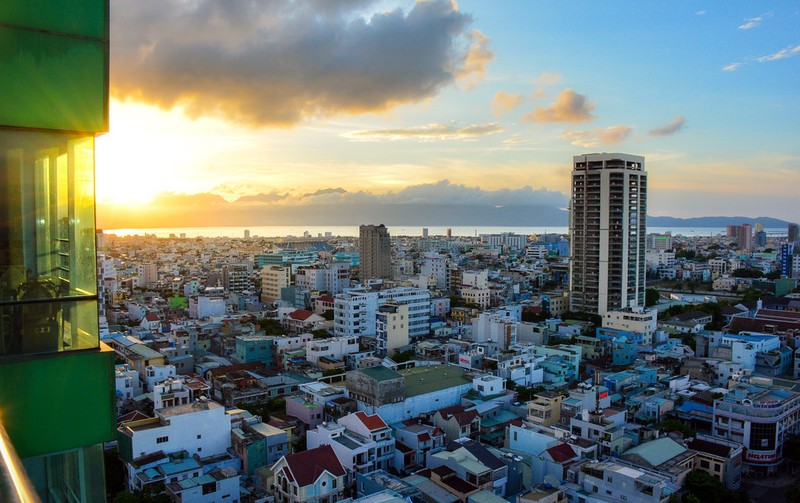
x: 312, y: 101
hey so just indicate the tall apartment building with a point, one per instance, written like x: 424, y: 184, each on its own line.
x: 273, y: 279
x: 608, y: 224
x: 53, y: 103
x: 375, y: 252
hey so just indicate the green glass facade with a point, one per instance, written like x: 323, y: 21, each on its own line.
x: 56, y: 378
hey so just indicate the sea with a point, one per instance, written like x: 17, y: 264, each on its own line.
x: 352, y: 231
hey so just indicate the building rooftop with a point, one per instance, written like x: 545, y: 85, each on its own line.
x: 421, y: 380
x: 380, y: 373
x: 658, y: 451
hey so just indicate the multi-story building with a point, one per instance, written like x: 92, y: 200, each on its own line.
x: 355, y: 310
x: 607, y: 232
x: 273, y: 279
x: 333, y: 348
x: 793, y: 233
x: 333, y: 278
x: 593, y: 481
x: 760, y: 418
x: 54, y: 89
x: 236, y: 277
x: 375, y: 252
x: 199, y: 428
x: 634, y: 319
x: 363, y: 443
x: 720, y: 458
x: 392, y: 328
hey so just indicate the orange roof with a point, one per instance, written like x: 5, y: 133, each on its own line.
x: 373, y: 422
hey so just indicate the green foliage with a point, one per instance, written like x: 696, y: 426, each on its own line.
x: 672, y: 424
x: 115, y: 476
x: 747, y: 273
x: 793, y: 494
x: 704, y: 487
x: 651, y: 297
x: 271, y: 327
x: 264, y: 409
x: 328, y: 314
x: 404, y: 356
x: 152, y: 493
x: 332, y: 372
x: 525, y: 393
x: 320, y: 334
x: 773, y: 275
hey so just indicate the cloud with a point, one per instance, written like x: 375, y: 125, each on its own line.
x: 754, y: 21
x: 478, y: 57
x: 279, y: 63
x: 674, y: 126
x: 442, y: 192
x: 732, y: 67
x: 548, y: 79
x: 788, y: 52
x: 428, y: 132
x: 568, y: 107
x: 596, y: 137
x: 504, y: 102
x: 700, y: 13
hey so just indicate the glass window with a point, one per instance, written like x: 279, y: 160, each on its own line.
x: 48, y: 262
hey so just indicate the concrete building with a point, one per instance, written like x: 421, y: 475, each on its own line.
x: 236, y: 277
x: 375, y: 252
x: 200, y: 428
x: 376, y: 386
x: 355, y: 311
x: 607, y: 232
x: 273, y: 279
x: 255, y: 348
x: 720, y: 458
x: 392, y: 328
x: 760, y: 418
x: 334, y: 348
x: 634, y: 319
x: 596, y: 482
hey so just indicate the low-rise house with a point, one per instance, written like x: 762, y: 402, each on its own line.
x: 313, y: 476
x: 219, y: 484
x: 363, y: 443
x: 720, y: 458
x: 456, y: 422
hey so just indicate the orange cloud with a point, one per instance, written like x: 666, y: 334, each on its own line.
x: 504, y: 102
x: 568, y: 107
x: 675, y: 125
x: 478, y: 57
x: 595, y: 137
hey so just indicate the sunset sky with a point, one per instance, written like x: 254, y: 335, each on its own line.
x: 432, y: 102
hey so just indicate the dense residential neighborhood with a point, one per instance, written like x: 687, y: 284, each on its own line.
x: 251, y: 369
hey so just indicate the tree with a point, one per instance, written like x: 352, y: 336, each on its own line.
x: 672, y: 424
x: 328, y: 314
x: 705, y: 487
x: 746, y: 273
x: 792, y: 494
x: 271, y: 327
x: 651, y: 297
x: 404, y: 356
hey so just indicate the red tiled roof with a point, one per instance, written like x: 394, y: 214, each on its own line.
x: 151, y: 317
x: 423, y: 437
x: 373, y: 422
x: 709, y: 447
x: 561, y: 452
x: 325, y: 298
x: 300, y: 314
x: 307, y: 466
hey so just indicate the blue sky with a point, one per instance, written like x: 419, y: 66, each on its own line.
x: 493, y: 95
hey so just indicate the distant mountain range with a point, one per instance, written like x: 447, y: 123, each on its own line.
x: 207, y: 210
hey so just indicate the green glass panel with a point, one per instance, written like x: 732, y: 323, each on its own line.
x: 74, y: 475
x: 52, y: 82
x: 48, y: 268
x: 79, y: 17
x: 61, y: 402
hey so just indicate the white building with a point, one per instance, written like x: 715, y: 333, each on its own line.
x: 154, y: 374
x: 333, y: 278
x: 607, y: 231
x: 363, y: 443
x: 335, y: 348
x: 439, y: 266
x: 481, y: 297
x: 355, y: 310
x: 200, y: 428
x: 508, y: 239
x: 207, y: 305
x: 634, y: 319
x: 495, y: 327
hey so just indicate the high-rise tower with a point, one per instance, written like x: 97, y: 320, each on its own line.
x: 375, y: 250
x: 56, y: 377
x: 607, y: 232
